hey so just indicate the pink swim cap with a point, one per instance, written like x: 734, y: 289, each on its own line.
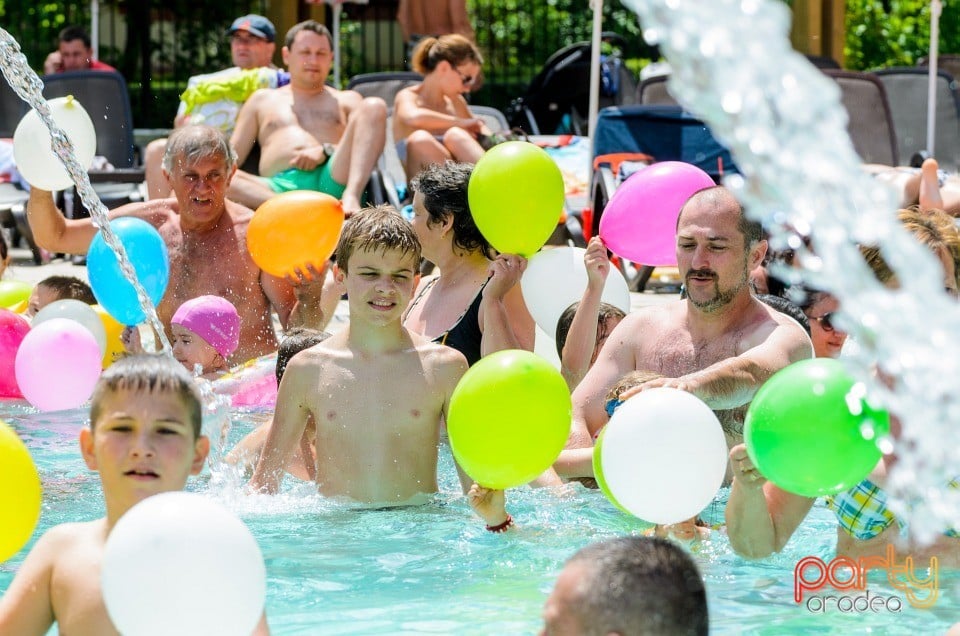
x: 214, y: 319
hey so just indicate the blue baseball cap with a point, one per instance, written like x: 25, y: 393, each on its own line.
x: 255, y: 25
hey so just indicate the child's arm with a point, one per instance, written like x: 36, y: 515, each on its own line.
x: 491, y: 506
x: 582, y: 337
x: 26, y: 607
x: 760, y: 517
x: 289, y: 422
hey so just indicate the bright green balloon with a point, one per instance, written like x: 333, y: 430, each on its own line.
x: 516, y: 197
x: 13, y: 292
x: 509, y: 418
x: 598, y: 472
x: 809, y: 430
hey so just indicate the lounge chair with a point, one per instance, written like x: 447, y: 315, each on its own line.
x: 907, y: 89
x: 104, y: 96
x: 870, y: 121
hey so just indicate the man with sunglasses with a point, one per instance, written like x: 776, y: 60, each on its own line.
x: 718, y: 343
x: 312, y: 136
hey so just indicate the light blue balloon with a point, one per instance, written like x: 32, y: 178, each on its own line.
x: 148, y: 254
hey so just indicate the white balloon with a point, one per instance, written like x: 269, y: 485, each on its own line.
x: 179, y: 563
x: 555, y: 278
x: 78, y: 311
x: 32, y: 153
x: 664, y: 455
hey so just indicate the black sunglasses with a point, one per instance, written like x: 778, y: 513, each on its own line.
x: 826, y: 321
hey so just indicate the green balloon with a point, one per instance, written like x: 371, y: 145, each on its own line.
x: 509, y: 418
x: 13, y: 292
x: 810, y: 431
x: 598, y: 472
x: 516, y: 197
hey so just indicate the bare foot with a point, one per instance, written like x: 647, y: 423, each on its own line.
x: 929, y: 195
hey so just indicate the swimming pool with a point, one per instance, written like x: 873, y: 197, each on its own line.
x: 334, y: 568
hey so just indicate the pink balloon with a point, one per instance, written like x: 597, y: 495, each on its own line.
x: 58, y: 364
x: 13, y: 328
x: 640, y: 220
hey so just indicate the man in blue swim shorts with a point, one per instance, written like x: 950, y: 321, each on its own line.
x: 312, y: 136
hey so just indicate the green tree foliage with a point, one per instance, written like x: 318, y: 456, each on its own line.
x: 896, y: 32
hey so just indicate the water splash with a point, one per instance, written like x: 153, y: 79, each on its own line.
x: 28, y: 86
x: 734, y: 67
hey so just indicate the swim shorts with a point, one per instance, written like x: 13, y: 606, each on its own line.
x: 319, y: 180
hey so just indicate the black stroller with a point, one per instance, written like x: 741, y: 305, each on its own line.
x: 557, y: 99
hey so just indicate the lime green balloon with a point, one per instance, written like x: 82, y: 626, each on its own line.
x: 20, y: 493
x: 810, y: 431
x: 516, y: 197
x: 509, y: 418
x: 13, y: 292
x: 598, y: 472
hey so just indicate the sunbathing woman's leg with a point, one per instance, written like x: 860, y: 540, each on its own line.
x: 423, y: 149
x: 462, y: 145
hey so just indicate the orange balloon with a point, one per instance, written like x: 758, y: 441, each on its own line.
x: 293, y: 230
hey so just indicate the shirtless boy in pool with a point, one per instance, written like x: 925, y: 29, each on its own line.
x: 376, y: 391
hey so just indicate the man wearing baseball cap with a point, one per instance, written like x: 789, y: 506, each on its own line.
x: 254, y: 24
x: 251, y: 46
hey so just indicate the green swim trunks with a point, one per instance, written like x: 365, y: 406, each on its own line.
x: 319, y: 180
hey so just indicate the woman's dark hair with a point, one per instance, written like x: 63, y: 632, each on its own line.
x: 444, y: 190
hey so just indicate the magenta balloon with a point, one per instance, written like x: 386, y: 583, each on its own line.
x: 58, y: 364
x: 13, y: 328
x: 640, y: 220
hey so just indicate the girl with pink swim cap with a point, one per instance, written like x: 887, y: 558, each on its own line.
x: 206, y: 332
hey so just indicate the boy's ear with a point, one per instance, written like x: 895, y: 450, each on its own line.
x: 338, y: 274
x: 200, y: 451
x: 86, y: 448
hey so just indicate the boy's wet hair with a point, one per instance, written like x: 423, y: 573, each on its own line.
x: 604, y: 313
x: 149, y: 373
x: 444, y: 190
x: 190, y: 144
x: 296, y: 340
x: 69, y: 288
x: 378, y: 228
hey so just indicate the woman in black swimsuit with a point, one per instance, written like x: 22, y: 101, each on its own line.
x: 474, y: 305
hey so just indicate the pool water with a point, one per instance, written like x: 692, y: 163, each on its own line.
x: 336, y: 568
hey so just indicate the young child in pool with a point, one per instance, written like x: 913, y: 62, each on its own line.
x: 302, y: 462
x: 206, y: 332
x: 377, y: 392
x: 690, y: 531
x: 144, y: 439
x: 54, y: 288
x: 583, y: 327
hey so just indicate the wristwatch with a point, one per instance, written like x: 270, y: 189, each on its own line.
x: 328, y: 150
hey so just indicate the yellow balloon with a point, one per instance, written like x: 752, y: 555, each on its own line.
x: 14, y: 292
x: 115, y: 348
x: 20, y: 493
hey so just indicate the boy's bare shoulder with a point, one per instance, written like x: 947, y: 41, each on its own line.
x: 438, y: 356
x: 60, y: 541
